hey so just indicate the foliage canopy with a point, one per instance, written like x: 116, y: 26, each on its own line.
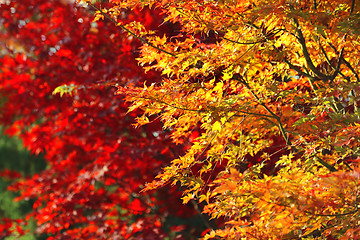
x: 258, y: 102
x: 271, y: 87
x: 97, y: 162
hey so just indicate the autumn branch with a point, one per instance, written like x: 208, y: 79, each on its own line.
x: 273, y: 115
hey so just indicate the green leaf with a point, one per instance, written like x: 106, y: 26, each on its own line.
x: 65, y: 89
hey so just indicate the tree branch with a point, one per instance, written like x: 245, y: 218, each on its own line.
x: 298, y: 69
x: 325, y: 164
x: 346, y: 63
x: 306, y: 54
x: 337, y: 69
x: 330, y: 64
x: 352, y: 7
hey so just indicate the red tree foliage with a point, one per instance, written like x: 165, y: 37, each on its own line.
x: 97, y: 161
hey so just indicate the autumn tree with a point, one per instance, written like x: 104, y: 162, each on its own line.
x: 97, y: 161
x: 267, y: 91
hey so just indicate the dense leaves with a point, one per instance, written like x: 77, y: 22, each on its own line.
x: 261, y: 98
x: 97, y: 161
x: 271, y: 87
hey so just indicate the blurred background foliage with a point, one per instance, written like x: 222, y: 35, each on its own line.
x: 14, y: 157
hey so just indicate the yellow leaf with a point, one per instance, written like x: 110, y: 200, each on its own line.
x: 142, y: 120
x: 187, y: 198
x: 216, y: 126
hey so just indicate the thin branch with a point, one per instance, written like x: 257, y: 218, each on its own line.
x: 325, y: 164
x: 334, y: 215
x: 330, y: 64
x: 229, y: 135
x: 248, y: 50
x: 348, y: 166
x: 255, y: 114
x: 244, y: 43
x: 337, y: 69
x: 130, y: 32
x: 352, y: 7
x: 255, y: 42
x: 281, y: 127
x: 204, y: 110
x: 298, y: 69
x: 346, y: 63
x: 273, y: 115
x: 294, y: 67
